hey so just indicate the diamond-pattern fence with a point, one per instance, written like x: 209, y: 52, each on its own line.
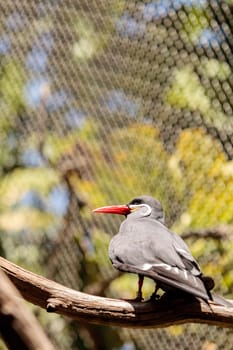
x: 101, y: 101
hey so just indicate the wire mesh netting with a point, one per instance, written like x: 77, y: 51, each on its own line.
x: 101, y: 101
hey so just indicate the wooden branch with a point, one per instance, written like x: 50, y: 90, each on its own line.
x: 19, y: 327
x: 221, y: 232
x: 167, y: 311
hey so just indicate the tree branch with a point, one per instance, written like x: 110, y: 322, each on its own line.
x: 221, y: 232
x: 65, y: 301
x: 18, y: 325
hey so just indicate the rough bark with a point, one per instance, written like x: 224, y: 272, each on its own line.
x: 18, y: 326
x: 167, y: 311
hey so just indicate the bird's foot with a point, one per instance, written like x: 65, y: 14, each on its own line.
x: 154, y: 296
x: 137, y: 299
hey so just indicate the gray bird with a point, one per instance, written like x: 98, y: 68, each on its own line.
x: 145, y: 246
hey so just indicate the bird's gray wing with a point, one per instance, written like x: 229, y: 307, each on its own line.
x: 171, y: 278
x: 183, y: 251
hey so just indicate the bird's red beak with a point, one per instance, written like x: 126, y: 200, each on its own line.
x: 114, y: 209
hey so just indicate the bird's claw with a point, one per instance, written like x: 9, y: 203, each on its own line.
x: 154, y: 297
x: 138, y: 298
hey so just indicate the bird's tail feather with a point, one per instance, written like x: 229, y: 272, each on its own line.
x: 218, y: 299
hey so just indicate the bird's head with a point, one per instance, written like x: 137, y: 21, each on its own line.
x: 142, y: 206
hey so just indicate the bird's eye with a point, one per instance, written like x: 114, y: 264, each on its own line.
x: 136, y: 201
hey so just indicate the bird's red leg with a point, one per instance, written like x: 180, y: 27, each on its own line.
x: 140, y: 283
x: 139, y: 292
x: 155, y: 296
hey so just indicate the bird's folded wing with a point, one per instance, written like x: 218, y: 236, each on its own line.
x: 170, y: 276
